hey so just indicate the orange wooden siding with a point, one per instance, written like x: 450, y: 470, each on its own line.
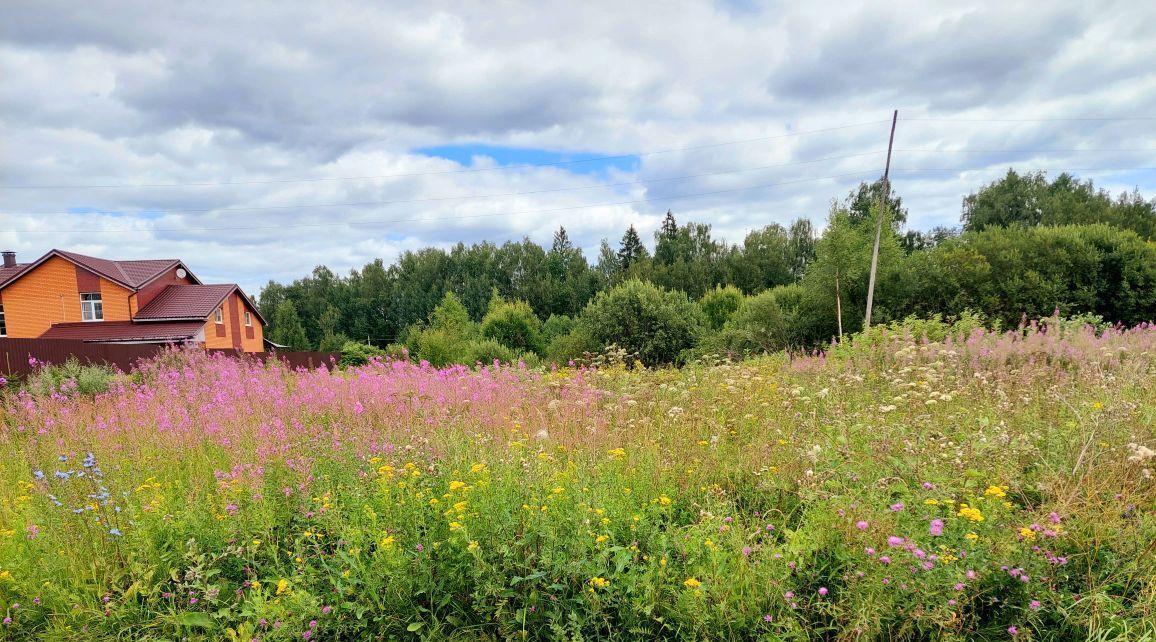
x: 214, y: 338
x: 49, y: 294
x: 235, y: 335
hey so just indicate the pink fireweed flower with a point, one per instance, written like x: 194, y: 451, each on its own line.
x: 823, y: 590
x: 746, y: 551
x: 897, y: 506
x: 936, y: 528
x: 959, y: 586
x: 928, y: 486
x: 870, y: 551
x: 1034, y: 605
x: 895, y: 541
x: 861, y: 525
x: 1013, y: 630
x: 884, y: 559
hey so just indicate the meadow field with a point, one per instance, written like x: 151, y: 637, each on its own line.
x: 984, y: 486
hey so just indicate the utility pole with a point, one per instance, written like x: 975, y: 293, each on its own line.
x: 880, y: 215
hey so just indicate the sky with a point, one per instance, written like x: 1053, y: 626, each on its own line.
x: 256, y: 140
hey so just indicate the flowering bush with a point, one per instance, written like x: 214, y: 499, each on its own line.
x: 995, y: 486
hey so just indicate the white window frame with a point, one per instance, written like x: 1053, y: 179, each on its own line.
x: 219, y: 316
x: 3, y: 323
x: 91, y: 307
x: 248, y: 319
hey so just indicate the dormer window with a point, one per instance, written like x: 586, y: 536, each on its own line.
x: 220, y: 315
x: 248, y: 319
x: 91, y: 307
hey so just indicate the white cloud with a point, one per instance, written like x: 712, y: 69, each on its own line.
x: 257, y: 94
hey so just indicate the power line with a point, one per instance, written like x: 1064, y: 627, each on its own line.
x: 450, y: 171
x: 1032, y: 120
x: 1023, y: 151
x: 467, y: 197
x: 1037, y: 169
x: 568, y: 208
x: 452, y: 218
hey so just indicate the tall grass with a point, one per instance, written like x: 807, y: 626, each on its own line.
x: 987, y: 486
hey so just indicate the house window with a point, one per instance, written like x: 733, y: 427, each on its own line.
x: 3, y: 327
x: 91, y: 307
x: 220, y: 315
x: 248, y: 319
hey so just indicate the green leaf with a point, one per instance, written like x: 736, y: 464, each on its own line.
x: 416, y: 626
x: 195, y: 619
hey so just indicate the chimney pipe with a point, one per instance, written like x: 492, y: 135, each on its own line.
x: 9, y: 258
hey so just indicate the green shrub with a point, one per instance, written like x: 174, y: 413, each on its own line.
x: 514, y: 325
x: 358, y: 354
x: 71, y: 377
x: 656, y: 324
x: 556, y: 326
x: 764, y: 323
x: 485, y: 352
x: 571, y: 346
x: 719, y: 304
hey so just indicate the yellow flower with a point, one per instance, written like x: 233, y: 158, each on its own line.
x: 662, y: 562
x: 692, y: 583
x: 931, y: 502
x: 282, y: 586
x: 664, y: 500
x: 618, y: 453
x: 1096, y: 405
x: 455, y: 526
x: 386, y: 542
x: 457, y: 485
x: 971, y: 536
x: 599, y: 582
x: 256, y: 584
x: 971, y: 513
x: 601, y: 538
x: 477, y: 468
x: 995, y: 491
x: 1027, y: 533
x: 473, y: 545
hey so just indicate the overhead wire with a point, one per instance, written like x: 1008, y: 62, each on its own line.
x: 451, y: 171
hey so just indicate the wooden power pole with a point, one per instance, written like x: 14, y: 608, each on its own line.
x: 880, y: 215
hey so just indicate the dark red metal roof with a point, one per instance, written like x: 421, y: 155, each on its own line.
x: 102, y: 331
x: 9, y: 272
x: 185, y: 302
x: 130, y: 273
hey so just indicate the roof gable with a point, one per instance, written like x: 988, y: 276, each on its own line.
x: 190, y: 302
x: 185, y: 302
x: 128, y: 274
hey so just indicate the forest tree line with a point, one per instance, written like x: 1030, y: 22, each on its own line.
x: 1026, y: 247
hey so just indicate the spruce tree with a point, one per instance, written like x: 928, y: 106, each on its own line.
x: 631, y: 249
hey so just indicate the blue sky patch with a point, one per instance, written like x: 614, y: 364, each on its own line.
x: 573, y: 162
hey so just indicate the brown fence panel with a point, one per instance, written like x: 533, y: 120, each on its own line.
x: 16, y: 353
x: 307, y: 360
